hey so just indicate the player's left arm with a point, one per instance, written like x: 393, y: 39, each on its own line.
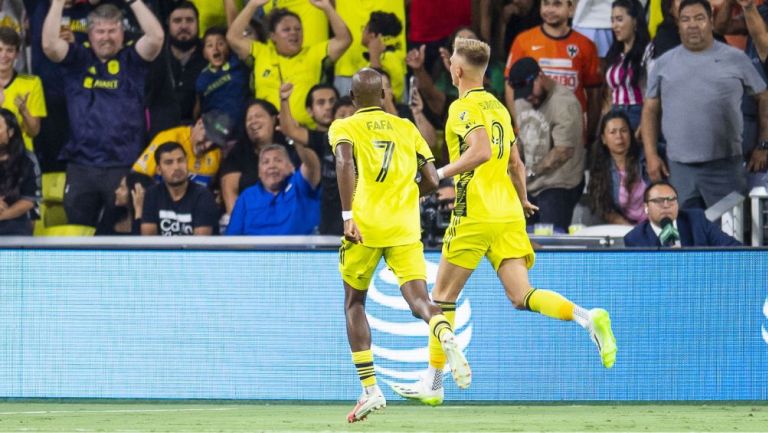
x: 518, y: 175
x: 478, y: 151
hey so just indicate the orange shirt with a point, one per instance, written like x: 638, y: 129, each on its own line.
x: 570, y: 60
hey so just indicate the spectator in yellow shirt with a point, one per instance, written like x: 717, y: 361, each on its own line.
x: 20, y: 93
x: 283, y: 58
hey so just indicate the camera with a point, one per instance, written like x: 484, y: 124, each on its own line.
x: 435, y: 218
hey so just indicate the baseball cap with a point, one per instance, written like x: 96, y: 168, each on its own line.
x: 218, y: 126
x: 522, y: 75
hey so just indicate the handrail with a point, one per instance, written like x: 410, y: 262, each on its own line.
x: 758, y: 196
x: 730, y: 211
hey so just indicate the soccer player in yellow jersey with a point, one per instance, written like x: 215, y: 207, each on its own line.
x: 377, y: 158
x: 489, y: 217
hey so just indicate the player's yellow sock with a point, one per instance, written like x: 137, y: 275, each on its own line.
x: 363, y: 361
x: 436, y: 355
x: 549, y: 303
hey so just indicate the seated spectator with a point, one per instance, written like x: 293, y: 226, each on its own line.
x: 223, y: 85
x: 125, y: 217
x: 177, y: 207
x: 283, y: 59
x: 201, y: 142
x: 551, y: 140
x: 21, y: 94
x: 672, y: 227
x: 18, y: 179
x: 625, y: 72
x: 240, y: 168
x: 286, y: 201
x: 617, y: 177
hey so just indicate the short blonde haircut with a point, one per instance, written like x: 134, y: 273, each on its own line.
x: 475, y: 52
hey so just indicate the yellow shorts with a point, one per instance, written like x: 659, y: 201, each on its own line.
x: 357, y: 263
x: 466, y: 241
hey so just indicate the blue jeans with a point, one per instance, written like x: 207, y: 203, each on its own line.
x: 633, y: 112
x: 556, y: 206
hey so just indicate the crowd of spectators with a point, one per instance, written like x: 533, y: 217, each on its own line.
x: 201, y: 117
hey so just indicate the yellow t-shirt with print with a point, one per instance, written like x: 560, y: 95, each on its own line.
x: 21, y: 85
x: 202, y: 168
x: 303, y: 70
x: 485, y: 193
x: 388, y: 152
x: 314, y: 23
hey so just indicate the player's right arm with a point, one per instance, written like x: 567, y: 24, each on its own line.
x: 518, y: 175
x: 341, y: 144
x: 54, y: 47
x: 345, y: 177
x: 478, y: 152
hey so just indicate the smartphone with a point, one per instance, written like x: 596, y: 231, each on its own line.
x: 412, y: 83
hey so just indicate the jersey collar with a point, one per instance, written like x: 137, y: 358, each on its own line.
x: 475, y: 89
x: 368, y: 109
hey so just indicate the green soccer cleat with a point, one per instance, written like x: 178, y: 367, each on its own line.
x: 601, y: 334
x: 421, y: 391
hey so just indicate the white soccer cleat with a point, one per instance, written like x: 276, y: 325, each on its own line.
x: 422, y: 391
x: 601, y: 333
x: 462, y: 374
x: 367, y: 403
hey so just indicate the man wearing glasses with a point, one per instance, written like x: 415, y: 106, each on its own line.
x: 669, y: 226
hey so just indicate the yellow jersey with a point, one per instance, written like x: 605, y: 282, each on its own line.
x: 202, y: 168
x: 314, y: 23
x: 356, y: 14
x: 211, y: 13
x: 303, y: 70
x: 485, y: 193
x: 388, y: 152
x: 21, y: 85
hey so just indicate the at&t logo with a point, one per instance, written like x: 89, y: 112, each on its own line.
x: 399, y: 339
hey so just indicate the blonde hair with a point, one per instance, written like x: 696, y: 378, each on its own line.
x: 475, y: 52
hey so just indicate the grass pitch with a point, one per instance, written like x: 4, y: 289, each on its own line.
x: 194, y: 417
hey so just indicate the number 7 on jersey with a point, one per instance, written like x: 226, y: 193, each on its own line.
x: 389, y: 149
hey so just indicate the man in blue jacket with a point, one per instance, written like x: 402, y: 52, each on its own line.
x: 669, y: 226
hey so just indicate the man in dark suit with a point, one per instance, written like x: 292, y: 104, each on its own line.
x: 671, y: 227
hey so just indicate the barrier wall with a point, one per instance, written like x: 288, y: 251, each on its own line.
x: 270, y: 325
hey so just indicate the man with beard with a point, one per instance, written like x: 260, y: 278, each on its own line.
x: 565, y: 55
x: 104, y: 85
x: 177, y: 207
x: 171, y: 94
x: 550, y: 132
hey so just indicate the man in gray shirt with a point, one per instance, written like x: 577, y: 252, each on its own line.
x: 697, y: 89
x: 551, y: 135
